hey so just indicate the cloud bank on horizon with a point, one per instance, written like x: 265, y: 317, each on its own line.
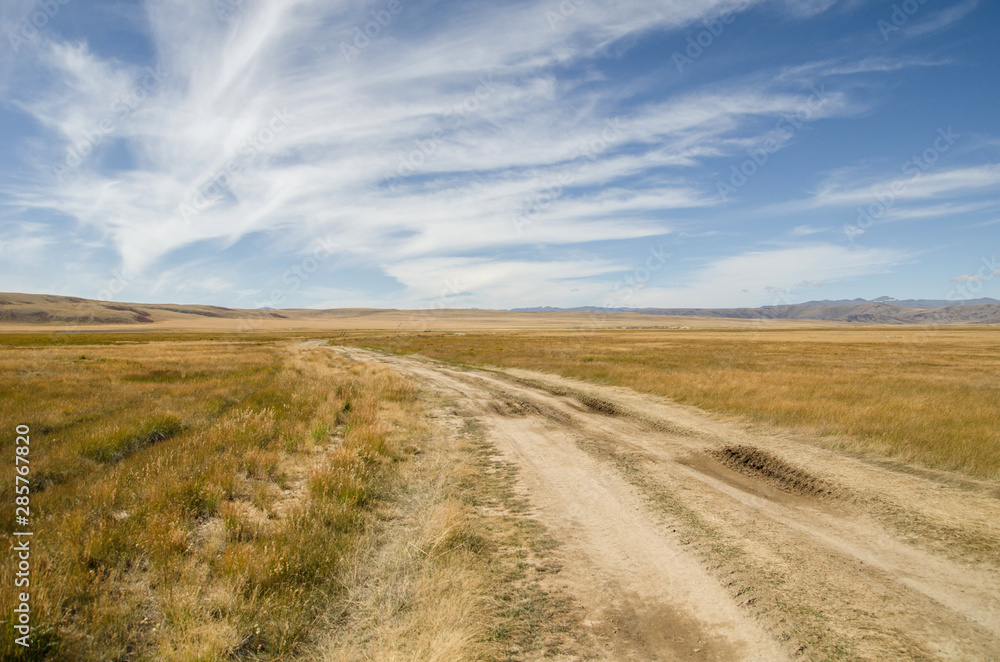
x: 406, y: 153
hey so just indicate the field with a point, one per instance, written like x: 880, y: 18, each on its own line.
x: 913, y: 394
x: 747, y: 493
x: 219, y: 500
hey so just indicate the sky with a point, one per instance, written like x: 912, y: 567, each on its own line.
x: 499, y: 154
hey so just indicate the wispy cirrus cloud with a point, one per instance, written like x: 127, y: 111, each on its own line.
x: 456, y: 137
x: 912, y: 186
x: 772, y: 276
x: 806, y: 230
x: 843, y: 66
x: 943, y: 18
x: 345, y: 126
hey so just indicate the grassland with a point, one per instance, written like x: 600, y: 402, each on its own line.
x: 216, y: 500
x: 923, y: 395
x: 169, y: 522
x: 217, y: 497
x: 44, y: 313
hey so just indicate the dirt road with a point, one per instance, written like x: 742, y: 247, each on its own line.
x: 684, y: 536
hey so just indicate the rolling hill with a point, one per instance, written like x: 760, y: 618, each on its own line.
x: 879, y: 311
x: 27, y: 311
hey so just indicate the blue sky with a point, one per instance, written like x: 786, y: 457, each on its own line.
x: 429, y: 153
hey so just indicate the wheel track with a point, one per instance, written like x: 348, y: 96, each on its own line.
x: 825, y: 576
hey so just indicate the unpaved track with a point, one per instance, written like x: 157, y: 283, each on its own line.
x: 674, y: 555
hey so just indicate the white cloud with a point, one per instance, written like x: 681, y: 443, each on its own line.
x: 345, y: 125
x: 975, y: 278
x: 25, y: 244
x: 468, y: 103
x: 489, y: 283
x: 847, y: 67
x: 769, y: 277
x: 935, y: 211
x: 805, y: 230
x: 808, y: 7
x: 913, y: 184
x: 943, y: 19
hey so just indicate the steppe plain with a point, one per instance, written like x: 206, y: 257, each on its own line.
x: 465, y: 485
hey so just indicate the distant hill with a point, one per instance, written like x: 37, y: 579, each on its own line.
x: 884, y: 310
x: 911, y: 303
x: 40, y: 310
x: 48, y: 309
x: 60, y: 314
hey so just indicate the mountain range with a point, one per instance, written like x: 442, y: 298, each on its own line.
x: 40, y: 309
x: 884, y: 310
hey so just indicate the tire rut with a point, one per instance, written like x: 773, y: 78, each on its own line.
x: 687, y: 537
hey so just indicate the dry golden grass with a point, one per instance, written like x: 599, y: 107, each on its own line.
x: 255, y: 500
x: 417, y: 595
x: 191, y: 501
x: 439, y: 580
x: 248, y: 499
x: 924, y: 395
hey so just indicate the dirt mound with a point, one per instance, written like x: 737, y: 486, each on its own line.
x: 509, y: 406
x: 601, y: 406
x: 757, y: 463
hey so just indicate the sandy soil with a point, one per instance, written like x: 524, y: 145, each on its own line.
x: 684, y: 536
